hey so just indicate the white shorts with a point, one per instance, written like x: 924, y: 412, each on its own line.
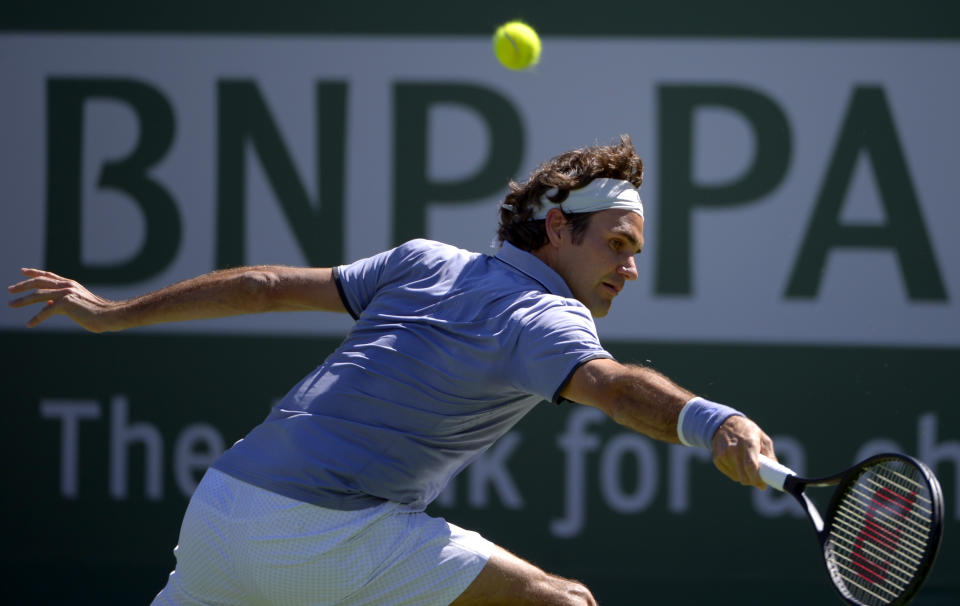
x: 243, y: 545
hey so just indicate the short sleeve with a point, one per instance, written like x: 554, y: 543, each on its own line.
x: 360, y: 281
x: 554, y: 342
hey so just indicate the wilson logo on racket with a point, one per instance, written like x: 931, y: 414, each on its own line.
x: 877, y: 536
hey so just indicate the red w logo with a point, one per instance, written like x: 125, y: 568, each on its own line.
x: 880, y: 533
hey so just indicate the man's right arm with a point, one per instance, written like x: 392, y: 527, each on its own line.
x: 228, y: 292
x: 647, y: 402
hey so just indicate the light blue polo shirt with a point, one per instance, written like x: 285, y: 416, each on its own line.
x: 450, y: 349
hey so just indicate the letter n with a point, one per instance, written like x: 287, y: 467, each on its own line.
x: 245, y: 123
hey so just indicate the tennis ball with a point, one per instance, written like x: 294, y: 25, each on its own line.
x: 516, y: 45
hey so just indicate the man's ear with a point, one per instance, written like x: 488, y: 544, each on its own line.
x: 555, y: 224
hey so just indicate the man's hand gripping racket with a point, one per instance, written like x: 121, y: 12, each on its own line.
x: 881, y: 530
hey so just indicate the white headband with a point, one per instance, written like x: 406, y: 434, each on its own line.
x: 599, y: 194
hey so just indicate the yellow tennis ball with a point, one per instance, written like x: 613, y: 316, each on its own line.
x: 516, y: 45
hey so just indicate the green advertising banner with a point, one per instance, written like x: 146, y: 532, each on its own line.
x: 107, y: 435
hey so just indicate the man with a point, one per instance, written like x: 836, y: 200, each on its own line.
x: 323, y: 502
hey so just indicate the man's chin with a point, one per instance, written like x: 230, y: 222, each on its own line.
x: 600, y: 311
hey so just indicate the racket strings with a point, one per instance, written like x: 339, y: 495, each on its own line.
x: 849, y: 536
x: 893, y: 515
x: 863, y: 589
x: 881, y: 530
x: 888, y: 531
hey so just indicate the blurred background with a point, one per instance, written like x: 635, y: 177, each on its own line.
x: 801, y: 260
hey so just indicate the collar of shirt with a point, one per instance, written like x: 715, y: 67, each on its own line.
x: 536, y: 269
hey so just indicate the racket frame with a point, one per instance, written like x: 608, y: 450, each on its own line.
x: 783, y: 478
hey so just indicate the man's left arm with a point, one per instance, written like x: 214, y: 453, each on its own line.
x: 648, y: 402
x: 228, y: 292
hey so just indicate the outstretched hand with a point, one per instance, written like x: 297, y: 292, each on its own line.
x: 62, y: 296
x: 737, y: 447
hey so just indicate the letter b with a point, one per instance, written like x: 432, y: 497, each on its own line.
x: 65, y: 117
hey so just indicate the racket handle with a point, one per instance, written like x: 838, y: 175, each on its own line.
x: 773, y: 473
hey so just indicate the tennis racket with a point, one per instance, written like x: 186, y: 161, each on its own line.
x: 882, y: 528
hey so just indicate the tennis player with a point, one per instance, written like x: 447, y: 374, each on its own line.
x: 323, y: 502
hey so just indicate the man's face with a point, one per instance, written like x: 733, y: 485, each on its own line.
x: 597, y: 268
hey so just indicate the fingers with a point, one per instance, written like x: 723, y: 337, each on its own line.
x: 53, y: 299
x: 736, y: 466
x: 753, y: 474
x: 46, y: 287
x: 766, y: 447
x: 62, y: 296
x: 48, y: 310
x: 35, y: 274
x: 748, y: 466
x: 39, y: 279
x: 737, y: 449
x: 762, y: 444
x: 37, y: 297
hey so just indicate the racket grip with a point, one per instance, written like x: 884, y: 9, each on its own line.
x: 773, y: 473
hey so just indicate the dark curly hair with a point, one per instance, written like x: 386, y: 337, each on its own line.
x: 553, y: 181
